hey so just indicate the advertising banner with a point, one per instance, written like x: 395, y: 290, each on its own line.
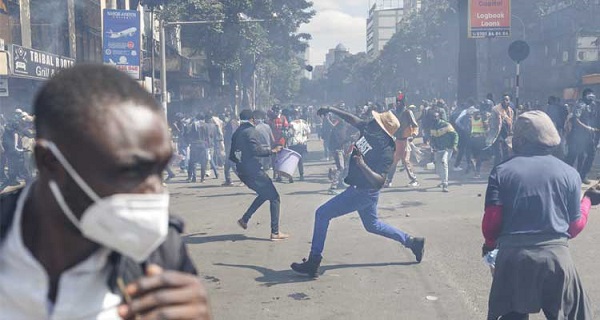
x: 489, y: 18
x: 121, y: 40
x: 35, y: 64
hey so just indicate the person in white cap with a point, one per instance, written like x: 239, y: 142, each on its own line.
x: 533, y: 206
x: 372, y: 157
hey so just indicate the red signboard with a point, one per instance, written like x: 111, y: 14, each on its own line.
x: 489, y: 18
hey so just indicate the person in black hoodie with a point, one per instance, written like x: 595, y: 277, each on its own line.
x: 246, y: 150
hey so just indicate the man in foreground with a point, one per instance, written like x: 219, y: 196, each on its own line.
x: 245, y: 152
x: 532, y: 209
x: 370, y: 162
x: 96, y: 219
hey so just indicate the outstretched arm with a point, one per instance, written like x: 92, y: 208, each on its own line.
x: 346, y: 116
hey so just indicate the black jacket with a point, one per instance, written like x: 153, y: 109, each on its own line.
x: 171, y: 255
x: 246, y: 140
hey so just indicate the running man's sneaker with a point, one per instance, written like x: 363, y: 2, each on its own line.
x: 445, y: 188
x: 414, y: 183
x: 279, y: 236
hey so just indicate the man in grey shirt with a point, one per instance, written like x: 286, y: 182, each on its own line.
x: 265, y: 136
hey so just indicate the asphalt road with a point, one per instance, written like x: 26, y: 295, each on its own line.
x: 365, y: 276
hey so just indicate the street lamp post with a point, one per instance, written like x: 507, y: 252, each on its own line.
x: 163, y: 47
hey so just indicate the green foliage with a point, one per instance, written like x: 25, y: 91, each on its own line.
x: 238, y: 48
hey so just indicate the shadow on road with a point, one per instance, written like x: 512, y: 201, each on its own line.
x: 220, y: 195
x: 272, y: 277
x: 300, y: 193
x: 195, y: 239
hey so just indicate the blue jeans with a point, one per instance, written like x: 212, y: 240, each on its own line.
x: 353, y: 199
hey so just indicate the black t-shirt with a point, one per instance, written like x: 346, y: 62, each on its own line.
x: 377, y: 149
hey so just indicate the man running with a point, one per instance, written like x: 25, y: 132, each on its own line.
x: 371, y: 160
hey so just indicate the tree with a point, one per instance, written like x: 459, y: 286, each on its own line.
x: 237, y: 48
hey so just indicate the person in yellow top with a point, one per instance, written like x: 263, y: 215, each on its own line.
x: 479, y: 129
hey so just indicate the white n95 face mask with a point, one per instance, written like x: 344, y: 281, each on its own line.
x: 131, y: 224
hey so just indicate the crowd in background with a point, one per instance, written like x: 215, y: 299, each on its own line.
x: 454, y: 136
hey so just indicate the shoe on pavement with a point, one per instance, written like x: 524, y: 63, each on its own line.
x: 417, y: 247
x: 291, y: 180
x: 301, y: 178
x: 387, y: 185
x: 459, y: 168
x: 242, y: 224
x: 445, y: 188
x: 414, y: 183
x: 308, y: 267
x: 227, y: 184
x: 279, y: 236
x: 477, y: 176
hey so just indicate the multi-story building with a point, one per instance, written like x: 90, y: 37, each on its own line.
x: 40, y: 37
x: 381, y: 26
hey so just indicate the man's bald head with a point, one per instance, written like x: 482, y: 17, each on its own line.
x: 76, y: 97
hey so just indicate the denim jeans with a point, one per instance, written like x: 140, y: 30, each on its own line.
x: 229, y: 165
x: 262, y: 184
x: 353, y: 199
x: 441, y: 164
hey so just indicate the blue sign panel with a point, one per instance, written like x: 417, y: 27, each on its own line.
x: 121, y: 40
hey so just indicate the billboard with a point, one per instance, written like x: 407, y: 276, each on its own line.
x: 121, y: 40
x: 35, y: 64
x: 489, y: 18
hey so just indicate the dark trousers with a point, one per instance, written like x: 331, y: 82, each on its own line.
x: 463, y: 149
x: 198, y: 154
x: 477, y: 154
x: 501, y: 151
x: 228, y: 166
x: 262, y: 184
x: 584, y: 151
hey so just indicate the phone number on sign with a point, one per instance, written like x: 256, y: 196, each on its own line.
x: 484, y: 34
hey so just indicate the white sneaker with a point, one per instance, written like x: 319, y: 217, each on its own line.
x: 414, y: 183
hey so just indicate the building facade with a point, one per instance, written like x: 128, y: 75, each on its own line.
x: 40, y: 37
x: 381, y: 27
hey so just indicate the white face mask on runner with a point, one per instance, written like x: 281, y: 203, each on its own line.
x: 132, y: 224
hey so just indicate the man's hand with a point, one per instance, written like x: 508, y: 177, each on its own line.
x: 594, y: 194
x: 485, y: 250
x: 166, y: 295
x: 276, y: 149
x: 360, y: 160
x: 323, y: 111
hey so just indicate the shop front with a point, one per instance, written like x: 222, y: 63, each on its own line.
x: 22, y: 73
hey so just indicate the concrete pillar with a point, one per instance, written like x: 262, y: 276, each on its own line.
x: 25, y: 23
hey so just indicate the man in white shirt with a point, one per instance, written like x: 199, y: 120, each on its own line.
x: 298, y: 132
x: 91, y: 237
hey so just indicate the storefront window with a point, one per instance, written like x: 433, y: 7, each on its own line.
x: 49, y: 32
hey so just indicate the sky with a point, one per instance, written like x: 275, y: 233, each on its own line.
x: 337, y: 21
